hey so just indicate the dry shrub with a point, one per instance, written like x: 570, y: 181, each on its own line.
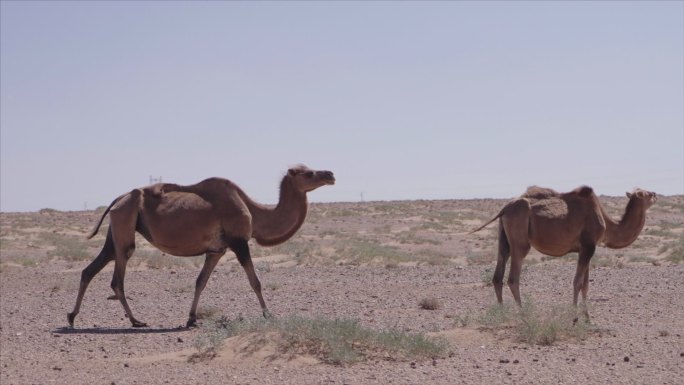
x: 430, y: 304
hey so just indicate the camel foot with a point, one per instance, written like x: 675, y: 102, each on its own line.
x: 70, y: 318
x: 192, y: 323
x: 138, y: 324
x: 116, y: 297
x: 268, y: 314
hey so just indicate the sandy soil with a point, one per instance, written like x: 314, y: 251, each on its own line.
x: 636, y: 297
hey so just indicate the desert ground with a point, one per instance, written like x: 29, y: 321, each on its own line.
x: 408, y: 266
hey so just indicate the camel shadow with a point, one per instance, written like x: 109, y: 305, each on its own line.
x: 66, y: 330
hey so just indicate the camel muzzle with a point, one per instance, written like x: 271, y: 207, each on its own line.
x: 327, y: 176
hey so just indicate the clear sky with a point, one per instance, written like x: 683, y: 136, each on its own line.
x: 402, y: 100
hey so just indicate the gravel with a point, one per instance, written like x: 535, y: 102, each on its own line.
x: 637, y: 308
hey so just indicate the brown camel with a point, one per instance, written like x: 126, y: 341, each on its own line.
x: 209, y: 218
x: 560, y: 223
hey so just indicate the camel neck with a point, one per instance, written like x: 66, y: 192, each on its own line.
x: 625, y: 232
x: 272, y: 226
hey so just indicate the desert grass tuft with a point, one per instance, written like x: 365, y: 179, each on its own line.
x: 675, y: 249
x: 486, y: 276
x: 26, y: 262
x: 498, y: 315
x: 536, y: 326
x: 69, y: 248
x: 462, y: 320
x: 480, y: 257
x: 363, y: 251
x: 207, y: 312
x: 334, y: 341
x: 430, y: 304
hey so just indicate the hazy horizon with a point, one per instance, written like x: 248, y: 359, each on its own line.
x: 401, y: 100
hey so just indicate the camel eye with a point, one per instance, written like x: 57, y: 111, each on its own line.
x: 309, y: 174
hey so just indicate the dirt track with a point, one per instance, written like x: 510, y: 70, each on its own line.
x: 637, y: 309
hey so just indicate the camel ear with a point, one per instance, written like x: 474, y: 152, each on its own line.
x: 629, y: 195
x: 292, y: 172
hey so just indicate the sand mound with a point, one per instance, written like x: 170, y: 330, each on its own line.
x: 252, y: 348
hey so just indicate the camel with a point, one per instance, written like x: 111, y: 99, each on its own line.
x: 208, y: 218
x: 559, y: 223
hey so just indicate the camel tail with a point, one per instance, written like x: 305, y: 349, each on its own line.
x: 97, y: 227
x: 488, y: 222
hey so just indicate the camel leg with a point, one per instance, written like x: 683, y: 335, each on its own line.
x: 514, y: 273
x: 118, y: 282
x: 585, y: 285
x: 515, y: 222
x: 241, y: 250
x: 102, y: 259
x: 582, y: 273
x: 122, y: 222
x: 581, y: 281
x: 113, y: 297
x: 209, y: 264
x: 502, y: 259
x: 585, y: 292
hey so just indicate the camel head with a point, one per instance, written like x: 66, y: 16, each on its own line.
x: 304, y: 179
x: 647, y: 198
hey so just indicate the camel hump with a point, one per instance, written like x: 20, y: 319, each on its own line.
x: 207, y: 185
x: 536, y: 192
x: 583, y: 191
x: 155, y: 190
x: 159, y: 189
